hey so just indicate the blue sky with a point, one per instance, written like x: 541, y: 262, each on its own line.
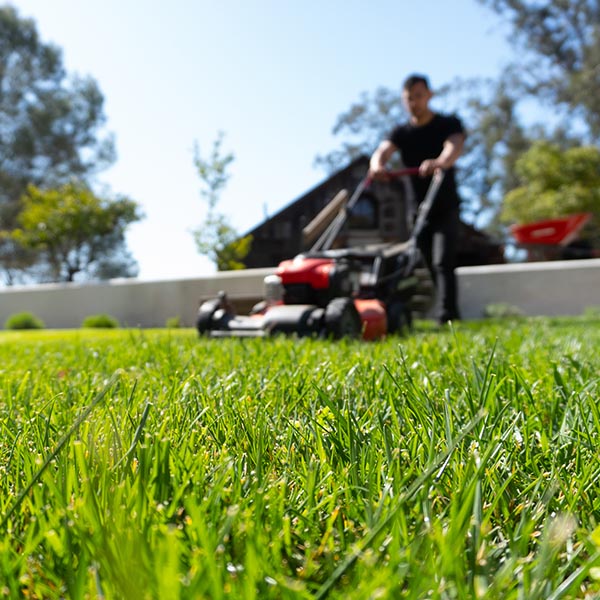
x: 272, y: 74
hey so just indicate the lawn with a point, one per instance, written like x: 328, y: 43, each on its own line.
x: 453, y: 463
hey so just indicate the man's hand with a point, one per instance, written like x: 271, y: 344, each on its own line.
x: 452, y: 150
x: 379, y: 160
x: 378, y: 173
x: 429, y: 167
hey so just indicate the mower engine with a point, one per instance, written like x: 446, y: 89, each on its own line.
x: 315, y: 280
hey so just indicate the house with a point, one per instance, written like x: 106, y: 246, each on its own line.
x: 379, y: 216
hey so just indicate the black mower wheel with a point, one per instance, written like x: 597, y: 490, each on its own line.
x: 399, y: 317
x: 342, y: 319
x: 206, y: 313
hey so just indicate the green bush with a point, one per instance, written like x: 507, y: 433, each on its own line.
x: 502, y: 310
x: 173, y: 322
x: 100, y: 322
x: 24, y: 320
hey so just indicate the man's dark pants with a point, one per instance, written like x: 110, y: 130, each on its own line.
x: 438, y: 243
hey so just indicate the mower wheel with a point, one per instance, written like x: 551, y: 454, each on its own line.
x: 206, y: 313
x: 399, y: 316
x: 342, y: 319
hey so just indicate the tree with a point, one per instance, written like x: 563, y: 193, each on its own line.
x: 362, y: 127
x: 495, y: 136
x: 216, y: 238
x: 561, y: 40
x: 51, y: 125
x: 554, y: 183
x: 75, y: 232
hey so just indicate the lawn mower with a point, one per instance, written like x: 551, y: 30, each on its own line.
x: 332, y: 292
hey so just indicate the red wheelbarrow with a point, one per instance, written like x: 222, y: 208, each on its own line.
x: 553, y: 238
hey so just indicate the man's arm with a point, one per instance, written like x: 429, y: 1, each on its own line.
x: 450, y: 153
x: 380, y: 158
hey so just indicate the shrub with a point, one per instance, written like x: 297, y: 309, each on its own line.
x: 173, y: 322
x: 100, y: 322
x: 24, y: 320
x: 502, y: 310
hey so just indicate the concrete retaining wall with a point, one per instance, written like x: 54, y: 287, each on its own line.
x: 552, y: 288
x: 536, y: 288
x: 134, y: 303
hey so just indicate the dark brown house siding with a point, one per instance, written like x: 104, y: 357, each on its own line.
x: 280, y: 236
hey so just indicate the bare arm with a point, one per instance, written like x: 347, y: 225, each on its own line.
x: 380, y: 158
x: 450, y: 153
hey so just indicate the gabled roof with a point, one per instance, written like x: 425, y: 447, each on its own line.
x: 315, y: 191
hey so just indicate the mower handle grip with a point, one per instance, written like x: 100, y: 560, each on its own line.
x: 395, y: 174
x: 403, y: 172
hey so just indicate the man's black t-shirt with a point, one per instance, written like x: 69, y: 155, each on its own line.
x: 418, y: 143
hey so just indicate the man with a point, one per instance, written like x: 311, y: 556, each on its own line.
x: 430, y: 141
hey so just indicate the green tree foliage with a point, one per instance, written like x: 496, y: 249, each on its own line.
x: 495, y: 137
x: 553, y: 183
x: 51, y: 125
x: 561, y: 43
x: 557, y: 63
x: 363, y: 126
x: 74, y: 232
x: 215, y: 237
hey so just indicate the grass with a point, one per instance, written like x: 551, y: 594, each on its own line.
x: 449, y: 464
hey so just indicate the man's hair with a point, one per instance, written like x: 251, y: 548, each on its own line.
x: 413, y: 80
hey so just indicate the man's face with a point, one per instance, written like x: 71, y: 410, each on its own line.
x: 416, y: 99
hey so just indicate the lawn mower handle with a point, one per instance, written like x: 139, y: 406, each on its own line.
x: 326, y: 240
x: 394, y: 174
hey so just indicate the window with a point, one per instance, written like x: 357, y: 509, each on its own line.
x: 364, y: 214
